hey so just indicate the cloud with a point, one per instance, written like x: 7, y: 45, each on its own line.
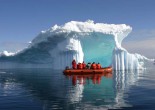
x: 142, y: 42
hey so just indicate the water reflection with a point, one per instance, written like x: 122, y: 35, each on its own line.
x: 49, y: 89
x: 85, y: 78
x: 81, y: 87
x: 123, y: 80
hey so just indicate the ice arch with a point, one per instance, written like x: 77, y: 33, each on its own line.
x: 90, y: 47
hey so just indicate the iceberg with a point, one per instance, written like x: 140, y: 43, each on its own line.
x: 6, y: 53
x: 83, y: 41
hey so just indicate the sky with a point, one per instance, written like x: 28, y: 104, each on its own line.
x: 22, y: 20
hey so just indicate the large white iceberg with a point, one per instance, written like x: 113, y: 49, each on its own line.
x: 82, y: 41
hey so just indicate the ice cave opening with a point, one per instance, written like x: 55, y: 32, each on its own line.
x: 98, y: 48
x: 88, y: 47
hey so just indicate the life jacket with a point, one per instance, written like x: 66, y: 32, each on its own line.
x: 84, y: 65
x: 98, y: 66
x: 93, y: 66
x: 74, y: 64
x: 80, y: 66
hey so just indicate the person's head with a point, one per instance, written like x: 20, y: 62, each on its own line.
x: 93, y: 62
x: 98, y: 63
x: 83, y: 61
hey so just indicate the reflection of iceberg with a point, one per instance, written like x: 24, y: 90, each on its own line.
x: 123, y: 80
x: 76, y: 93
x: 111, y: 93
x: 87, y: 41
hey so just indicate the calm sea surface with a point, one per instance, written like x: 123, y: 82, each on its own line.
x: 46, y: 89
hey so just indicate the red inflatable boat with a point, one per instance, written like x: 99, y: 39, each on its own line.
x: 87, y: 71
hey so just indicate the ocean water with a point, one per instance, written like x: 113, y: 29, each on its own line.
x: 46, y: 89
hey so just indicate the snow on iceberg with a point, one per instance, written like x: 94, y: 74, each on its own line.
x: 83, y: 41
x: 6, y: 53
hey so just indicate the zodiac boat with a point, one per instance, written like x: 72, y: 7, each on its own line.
x: 87, y: 71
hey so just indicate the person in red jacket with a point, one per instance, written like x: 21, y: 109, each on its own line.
x: 80, y: 66
x: 93, y: 66
x: 74, y: 64
x: 84, y: 65
x: 98, y: 66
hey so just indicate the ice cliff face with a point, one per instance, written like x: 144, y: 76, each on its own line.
x: 83, y: 41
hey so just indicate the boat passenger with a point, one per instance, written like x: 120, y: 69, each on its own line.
x: 74, y: 64
x: 79, y: 66
x: 88, y: 65
x: 98, y: 66
x: 84, y: 65
x: 93, y: 66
